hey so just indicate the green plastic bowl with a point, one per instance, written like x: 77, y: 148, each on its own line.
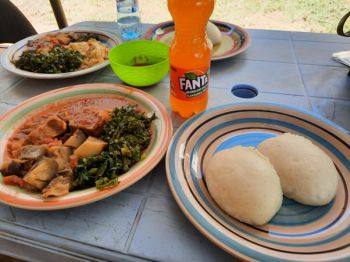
x: 140, y: 62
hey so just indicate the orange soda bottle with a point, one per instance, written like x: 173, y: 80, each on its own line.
x: 189, y: 56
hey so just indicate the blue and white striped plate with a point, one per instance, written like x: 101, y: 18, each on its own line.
x: 297, y: 232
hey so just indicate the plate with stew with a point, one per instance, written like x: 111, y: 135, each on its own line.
x: 59, y: 54
x: 79, y: 144
x: 234, y: 39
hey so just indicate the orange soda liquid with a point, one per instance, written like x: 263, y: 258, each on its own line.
x: 189, y: 56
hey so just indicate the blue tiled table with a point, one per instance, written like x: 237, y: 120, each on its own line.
x: 144, y: 222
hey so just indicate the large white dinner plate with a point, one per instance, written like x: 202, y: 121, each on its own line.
x: 14, y: 51
x: 297, y: 232
x: 161, y: 130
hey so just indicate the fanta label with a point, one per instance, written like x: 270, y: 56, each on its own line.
x: 188, y: 83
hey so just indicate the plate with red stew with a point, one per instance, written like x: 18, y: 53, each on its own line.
x: 79, y: 144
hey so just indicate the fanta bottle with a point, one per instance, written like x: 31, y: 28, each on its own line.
x: 189, y: 56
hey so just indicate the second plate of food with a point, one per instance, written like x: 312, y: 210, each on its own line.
x: 234, y: 39
x: 79, y: 144
x: 297, y: 232
x: 59, y: 54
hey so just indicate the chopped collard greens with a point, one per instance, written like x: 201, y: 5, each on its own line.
x: 57, y: 60
x: 127, y: 135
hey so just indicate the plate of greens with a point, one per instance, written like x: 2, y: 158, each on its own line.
x: 79, y: 144
x: 59, y: 54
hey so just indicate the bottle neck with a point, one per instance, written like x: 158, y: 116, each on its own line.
x: 189, y: 38
x: 189, y: 34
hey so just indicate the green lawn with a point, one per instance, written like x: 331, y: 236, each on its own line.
x: 295, y: 15
x: 316, y: 15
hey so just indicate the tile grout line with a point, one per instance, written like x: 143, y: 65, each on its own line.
x: 138, y: 214
x: 134, y: 225
x: 51, y: 246
x: 7, y: 103
x: 331, y: 98
x: 339, y: 65
x: 97, y: 74
x: 12, y: 213
x: 290, y: 63
x: 224, y: 87
x: 294, y: 95
x: 13, y: 84
x: 325, y: 42
x: 298, y: 40
x: 300, y: 74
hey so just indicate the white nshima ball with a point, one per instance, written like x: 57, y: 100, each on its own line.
x: 307, y: 174
x: 244, y: 184
x: 213, y: 33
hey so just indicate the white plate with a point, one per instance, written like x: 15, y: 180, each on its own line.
x: 17, y: 49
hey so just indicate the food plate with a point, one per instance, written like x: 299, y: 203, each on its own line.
x: 14, y: 51
x: 235, y: 39
x: 161, y: 129
x: 297, y: 232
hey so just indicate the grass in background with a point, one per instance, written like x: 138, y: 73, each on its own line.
x: 317, y: 15
x: 295, y: 15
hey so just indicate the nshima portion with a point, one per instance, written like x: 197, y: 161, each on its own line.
x: 213, y: 33
x: 307, y: 174
x: 244, y: 184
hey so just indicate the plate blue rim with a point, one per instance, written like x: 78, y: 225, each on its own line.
x: 194, y: 215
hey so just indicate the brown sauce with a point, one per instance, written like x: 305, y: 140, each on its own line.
x: 70, y: 106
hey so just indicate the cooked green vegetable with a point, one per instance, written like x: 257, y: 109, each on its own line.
x: 127, y: 135
x: 57, y: 60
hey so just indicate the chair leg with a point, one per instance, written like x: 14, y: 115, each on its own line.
x: 59, y: 13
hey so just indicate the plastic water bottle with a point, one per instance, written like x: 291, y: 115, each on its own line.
x: 128, y: 19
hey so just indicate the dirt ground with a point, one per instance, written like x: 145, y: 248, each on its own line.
x: 296, y: 15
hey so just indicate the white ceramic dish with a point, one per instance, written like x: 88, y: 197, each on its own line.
x: 14, y: 51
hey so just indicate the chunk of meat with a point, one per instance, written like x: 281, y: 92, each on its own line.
x: 76, y: 139
x: 67, y: 172
x: 89, y: 119
x: 91, y: 146
x: 63, y: 38
x: 59, y: 186
x: 17, y: 167
x: 13, y: 181
x: 42, y: 173
x: 61, y: 154
x: 31, y: 152
x: 65, y: 115
x: 16, y: 144
x: 29, y: 187
x: 73, y: 161
x: 52, y: 127
x: 106, y: 114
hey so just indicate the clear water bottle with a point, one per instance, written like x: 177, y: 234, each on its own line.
x: 128, y: 19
